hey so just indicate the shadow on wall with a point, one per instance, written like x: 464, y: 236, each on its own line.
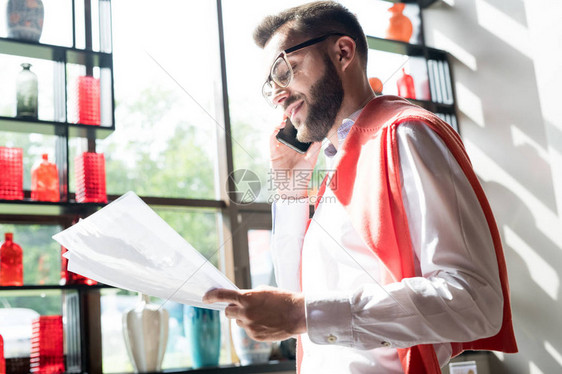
x: 502, y: 123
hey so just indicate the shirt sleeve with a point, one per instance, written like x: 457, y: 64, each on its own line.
x: 456, y: 296
x: 289, y: 217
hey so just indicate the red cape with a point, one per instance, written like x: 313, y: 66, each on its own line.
x: 367, y: 184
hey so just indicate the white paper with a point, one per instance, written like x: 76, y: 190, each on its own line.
x: 127, y: 245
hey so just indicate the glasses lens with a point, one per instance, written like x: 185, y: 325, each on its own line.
x: 267, y: 92
x: 281, y: 72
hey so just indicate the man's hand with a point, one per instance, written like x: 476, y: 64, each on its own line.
x: 267, y: 313
x: 293, y: 168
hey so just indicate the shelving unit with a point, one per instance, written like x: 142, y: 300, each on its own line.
x: 79, y: 303
x: 441, y: 94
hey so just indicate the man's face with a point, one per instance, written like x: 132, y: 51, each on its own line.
x: 314, y: 97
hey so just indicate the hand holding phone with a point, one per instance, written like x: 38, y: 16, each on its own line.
x: 293, y: 165
x: 288, y: 136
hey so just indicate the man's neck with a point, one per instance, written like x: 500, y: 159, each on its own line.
x: 346, y: 112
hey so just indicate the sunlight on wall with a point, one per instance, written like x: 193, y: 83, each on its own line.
x: 470, y: 104
x: 534, y: 369
x: 553, y: 352
x: 546, y: 219
x: 520, y: 138
x: 541, y: 272
x: 454, y: 49
x: 504, y: 27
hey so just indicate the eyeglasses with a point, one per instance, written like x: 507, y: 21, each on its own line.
x: 281, y: 72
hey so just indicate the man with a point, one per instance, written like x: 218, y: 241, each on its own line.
x: 401, y: 266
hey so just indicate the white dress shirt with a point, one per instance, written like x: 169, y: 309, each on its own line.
x: 355, y: 324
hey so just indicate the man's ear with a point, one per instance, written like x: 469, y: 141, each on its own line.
x: 345, y: 51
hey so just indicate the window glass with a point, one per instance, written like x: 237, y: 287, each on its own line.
x: 41, y: 254
x: 261, y: 264
x: 57, y: 21
x: 388, y: 67
x: 166, y: 81
x: 200, y: 228
x: 10, y: 69
x: 33, y: 146
x: 374, y: 17
x: 251, y: 117
x: 18, y: 309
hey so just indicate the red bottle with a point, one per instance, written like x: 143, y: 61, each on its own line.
x: 2, y: 359
x: 45, y: 181
x: 405, y: 86
x: 11, y: 264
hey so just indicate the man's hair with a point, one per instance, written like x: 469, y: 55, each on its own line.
x: 313, y: 20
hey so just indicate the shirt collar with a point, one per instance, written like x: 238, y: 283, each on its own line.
x: 342, y: 132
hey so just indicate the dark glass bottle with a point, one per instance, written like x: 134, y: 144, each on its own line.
x: 27, y: 93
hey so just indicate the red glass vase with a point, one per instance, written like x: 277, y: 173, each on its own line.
x: 89, y: 170
x: 11, y: 262
x: 45, y: 181
x: 88, y: 94
x: 47, y: 354
x: 405, y: 86
x: 2, y: 359
x: 68, y: 277
x: 11, y: 175
x: 399, y: 26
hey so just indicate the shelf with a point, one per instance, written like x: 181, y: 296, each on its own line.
x: 403, y: 48
x: 75, y: 130
x: 271, y: 367
x: 16, y: 47
x: 394, y: 46
x: 52, y: 287
x: 44, y: 208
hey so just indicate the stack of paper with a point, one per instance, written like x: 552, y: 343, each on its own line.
x: 127, y: 245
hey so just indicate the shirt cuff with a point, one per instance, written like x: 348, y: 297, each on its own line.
x: 329, y: 319
x: 290, y: 216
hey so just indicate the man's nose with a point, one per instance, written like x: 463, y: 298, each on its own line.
x: 280, y: 94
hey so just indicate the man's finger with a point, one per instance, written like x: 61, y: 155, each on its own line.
x: 232, y: 311
x: 224, y: 295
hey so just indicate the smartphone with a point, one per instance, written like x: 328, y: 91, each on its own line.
x: 288, y: 136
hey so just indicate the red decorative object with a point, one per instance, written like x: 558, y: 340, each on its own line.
x: 2, y: 359
x: 11, y: 175
x: 376, y: 84
x: 68, y: 277
x: 399, y: 26
x: 11, y: 262
x: 47, y: 354
x: 405, y: 86
x: 45, y: 181
x: 89, y: 170
x: 88, y: 100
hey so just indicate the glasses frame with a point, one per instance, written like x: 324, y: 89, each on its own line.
x: 268, y: 86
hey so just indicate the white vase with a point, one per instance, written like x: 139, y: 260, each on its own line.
x: 248, y: 350
x: 145, y: 329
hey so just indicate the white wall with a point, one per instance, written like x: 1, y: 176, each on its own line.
x: 508, y: 81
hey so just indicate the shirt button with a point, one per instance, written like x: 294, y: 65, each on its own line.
x: 332, y: 339
x: 386, y: 344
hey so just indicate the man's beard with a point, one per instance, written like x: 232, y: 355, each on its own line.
x: 326, y: 96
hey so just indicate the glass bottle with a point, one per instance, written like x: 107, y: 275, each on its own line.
x: 11, y: 262
x: 406, y: 87
x: 27, y: 93
x: 45, y: 181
